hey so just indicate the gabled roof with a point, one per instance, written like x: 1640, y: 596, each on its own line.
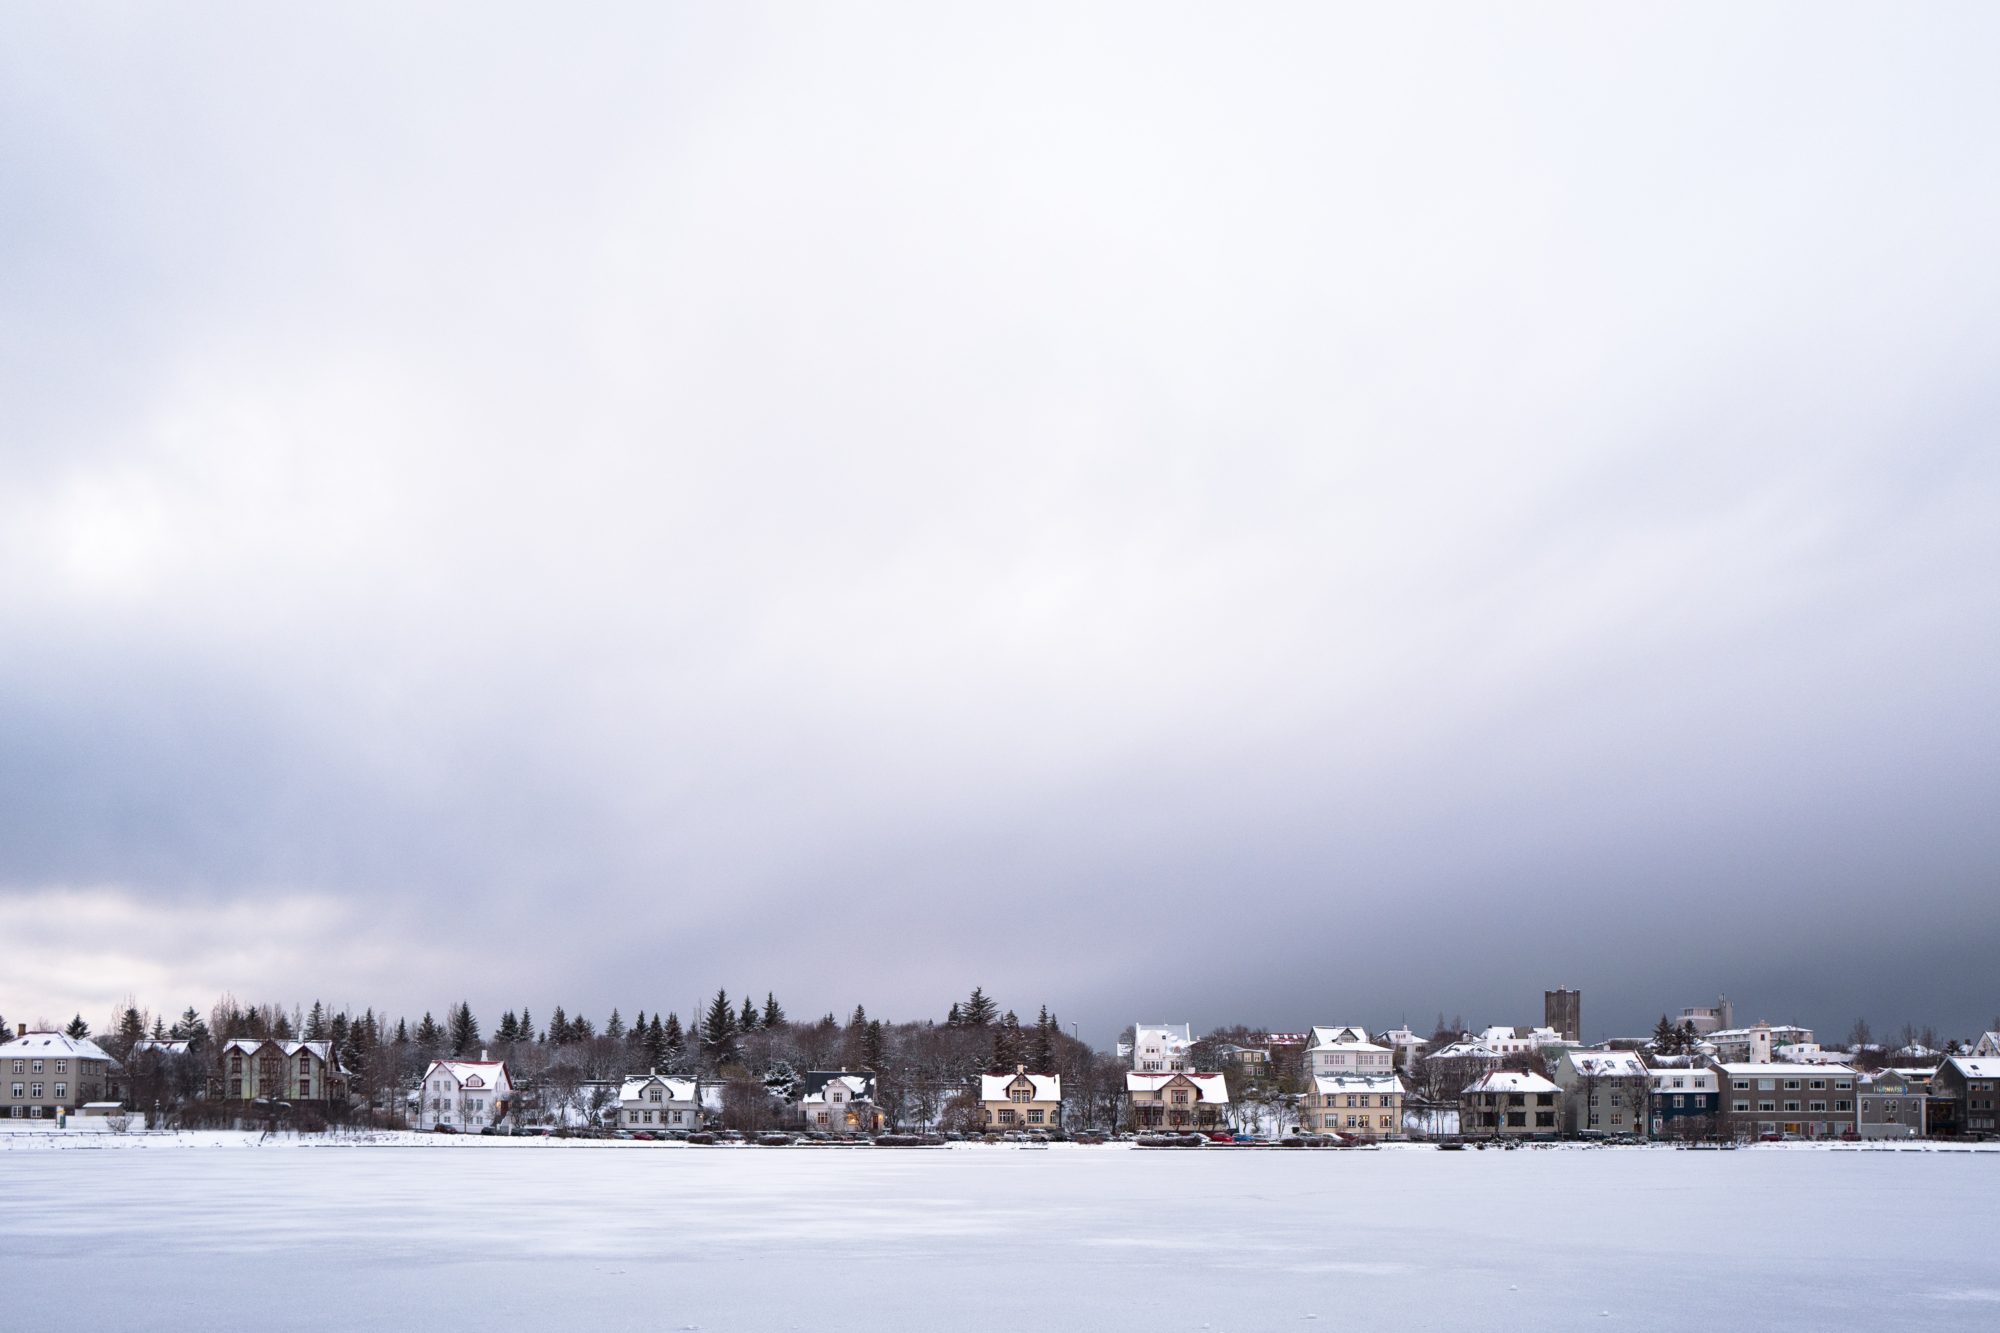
x: 860, y: 1088
x: 53, y: 1045
x: 1604, y: 1064
x: 1352, y: 1035
x: 488, y: 1073
x: 1975, y: 1066
x: 993, y: 1087
x: 1214, y: 1088
x: 815, y: 1080
x: 677, y: 1089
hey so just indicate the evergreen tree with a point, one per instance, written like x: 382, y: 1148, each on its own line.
x: 1042, y: 1046
x: 430, y: 1037
x: 654, y: 1044
x: 191, y: 1029
x: 954, y: 1018
x: 159, y: 1028
x: 672, y: 1040
x: 77, y: 1028
x: 718, y: 1030
x: 1007, y: 1045
x: 747, y: 1020
x: 509, y: 1030
x: 872, y: 1046
x: 558, y: 1028
x: 1666, y: 1037
x: 614, y: 1026
x: 774, y: 1013
x: 978, y: 1011
x: 131, y: 1031
x: 464, y: 1030
x: 403, y: 1032
x: 315, y: 1025
x: 528, y: 1026
x: 360, y: 1044
x: 580, y: 1029
x: 281, y: 1027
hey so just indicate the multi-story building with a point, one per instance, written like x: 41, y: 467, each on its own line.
x: 840, y: 1102
x: 1686, y: 1102
x: 1405, y: 1046
x: 1020, y: 1100
x: 1706, y: 1020
x: 1562, y: 1010
x: 1604, y: 1092
x: 262, y: 1069
x: 1509, y: 1104
x: 463, y: 1095
x: 1346, y: 1050
x: 1965, y: 1095
x: 1161, y: 1049
x: 1185, y: 1100
x: 1890, y: 1107
x: 1365, y: 1105
x: 1762, y: 1099
x: 44, y: 1075
x: 1987, y: 1045
x: 657, y: 1101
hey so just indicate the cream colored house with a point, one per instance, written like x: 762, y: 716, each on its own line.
x: 1177, y: 1101
x: 1346, y: 1050
x: 1364, y: 1105
x: 1020, y: 1100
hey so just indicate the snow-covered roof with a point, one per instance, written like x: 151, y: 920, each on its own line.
x: 1692, y: 1080
x: 1988, y: 1044
x: 993, y: 1087
x: 1325, y: 1083
x: 857, y: 1086
x: 251, y: 1045
x: 1972, y: 1066
x: 53, y: 1045
x: 1352, y: 1035
x: 1512, y: 1080
x: 1214, y: 1088
x: 1164, y: 1033
x: 175, y: 1047
x: 472, y: 1073
x: 677, y: 1089
x: 1606, y: 1064
x: 1783, y: 1070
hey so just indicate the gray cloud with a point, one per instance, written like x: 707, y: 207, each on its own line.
x: 1292, y: 518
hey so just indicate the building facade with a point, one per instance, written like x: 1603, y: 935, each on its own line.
x: 1510, y: 1104
x: 839, y: 1102
x: 1162, y: 1048
x: 1965, y: 1092
x: 1346, y: 1050
x: 1890, y: 1107
x: 1604, y: 1092
x: 1184, y: 1100
x: 1363, y: 1105
x: 657, y: 1102
x: 464, y: 1096
x: 1563, y: 1010
x: 46, y: 1075
x: 1763, y: 1100
x: 1020, y: 1101
x: 1686, y: 1102
x: 253, y: 1069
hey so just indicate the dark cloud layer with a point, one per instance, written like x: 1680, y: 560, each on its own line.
x: 1295, y: 517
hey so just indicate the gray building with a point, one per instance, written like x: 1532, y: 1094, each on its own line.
x: 1892, y: 1106
x: 1786, y: 1100
x: 1563, y: 1010
x: 46, y: 1074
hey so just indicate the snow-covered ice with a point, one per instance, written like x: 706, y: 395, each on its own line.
x: 631, y: 1236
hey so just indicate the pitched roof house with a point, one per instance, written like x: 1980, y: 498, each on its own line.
x: 656, y: 1101
x: 463, y: 1095
x: 839, y: 1102
x: 254, y: 1068
x: 1367, y: 1105
x: 1020, y: 1100
x: 1183, y: 1100
x: 47, y: 1074
x: 1509, y: 1104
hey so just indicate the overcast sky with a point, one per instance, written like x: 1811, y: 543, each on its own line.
x: 1307, y: 514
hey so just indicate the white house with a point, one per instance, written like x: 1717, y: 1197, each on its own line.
x: 838, y: 1102
x: 1987, y: 1046
x: 1336, y: 1050
x: 463, y: 1095
x: 1161, y: 1049
x: 654, y: 1101
x: 1404, y: 1045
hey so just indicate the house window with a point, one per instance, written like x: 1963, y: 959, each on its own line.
x: 34, y: 1113
x: 20, y: 1066
x: 1740, y: 1084
x: 1006, y: 1115
x: 1034, y: 1117
x: 1180, y: 1097
x: 1791, y: 1108
x: 1021, y: 1094
x: 62, y: 1091
x: 62, y: 1066
x: 820, y: 1118
x: 1819, y: 1085
x: 1843, y: 1106
x: 20, y: 1090
x: 35, y: 1090
x: 1767, y: 1107
x: 1816, y: 1106
x: 653, y: 1096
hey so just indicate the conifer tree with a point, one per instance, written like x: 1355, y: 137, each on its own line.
x: 872, y: 1045
x: 159, y: 1028
x: 614, y: 1026
x: 402, y: 1032
x: 653, y: 1044
x: 77, y: 1028
x: 979, y: 1011
x: 315, y: 1025
x: 528, y: 1026
x: 774, y: 1013
x: 509, y: 1030
x: 718, y: 1030
x: 1007, y: 1048
x: 580, y: 1029
x: 430, y: 1037
x: 672, y: 1039
x: 954, y: 1018
x: 1042, y: 1047
x: 747, y: 1020
x: 558, y: 1028
x: 464, y: 1030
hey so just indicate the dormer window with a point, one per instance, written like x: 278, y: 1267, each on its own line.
x: 1021, y: 1094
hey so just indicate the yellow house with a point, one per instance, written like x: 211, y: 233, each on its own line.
x: 1363, y: 1105
x: 1177, y: 1101
x: 1020, y: 1100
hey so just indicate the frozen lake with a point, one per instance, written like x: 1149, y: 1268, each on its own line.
x: 977, y: 1239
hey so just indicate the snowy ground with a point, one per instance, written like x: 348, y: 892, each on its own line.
x: 632, y: 1236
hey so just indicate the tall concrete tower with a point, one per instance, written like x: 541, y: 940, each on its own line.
x: 1563, y: 1011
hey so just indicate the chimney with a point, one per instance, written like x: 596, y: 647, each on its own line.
x: 21, y: 1030
x: 482, y: 1056
x: 1020, y: 1069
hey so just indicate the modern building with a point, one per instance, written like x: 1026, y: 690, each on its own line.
x: 1763, y: 1099
x: 1020, y: 1100
x: 1757, y: 1044
x: 1708, y: 1020
x: 1161, y: 1049
x: 45, y: 1075
x: 463, y: 1095
x: 1184, y: 1100
x: 1364, y: 1105
x: 1604, y: 1092
x: 840, y: 1102
x: 1686, y: 1103
x: 1509, y: 1104
x: 1890, y: 1108
x: 657, y: 1101
x: 1563, y: 1010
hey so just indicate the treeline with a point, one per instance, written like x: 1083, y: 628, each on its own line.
x: 754, y: 1049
